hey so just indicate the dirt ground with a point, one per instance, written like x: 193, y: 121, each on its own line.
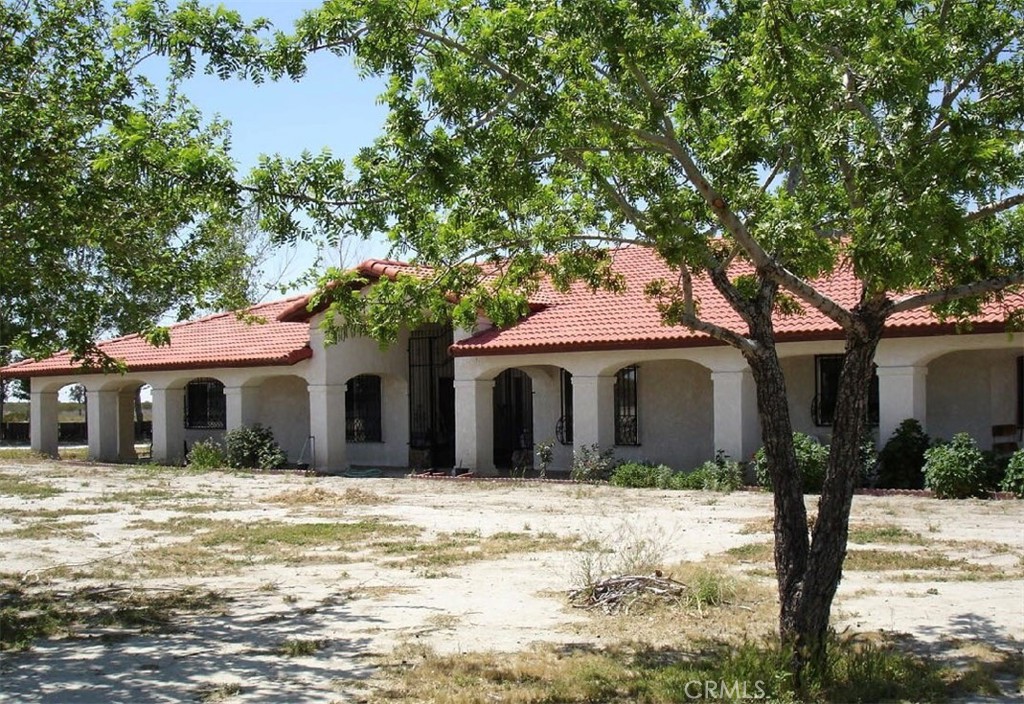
x: 316, y: 580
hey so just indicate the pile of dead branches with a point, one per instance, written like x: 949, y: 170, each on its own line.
x: 620, y: 594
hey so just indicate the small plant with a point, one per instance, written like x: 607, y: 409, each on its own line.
x: 545, y: 454
x: 253, y: 447
x: 811, y: 458
x: 592, y: 464
x: 901, y: 461
x: 301, y: 647
x: 721, y: 474
x: 641, y: 475
x: 206, y: 454
x: 1013, y: 480
x: 957, y: 469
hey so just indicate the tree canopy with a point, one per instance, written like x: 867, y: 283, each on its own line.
x: 795, y: 135
x: 117, y: 202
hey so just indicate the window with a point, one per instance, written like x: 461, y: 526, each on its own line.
x: 827, y: 368
x: 205, y: 405
x: 362, y: 409
x: 1020, y: 391
x: 563, y: 429
x: 626, y: 421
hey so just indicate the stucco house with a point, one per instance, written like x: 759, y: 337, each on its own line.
x: 582, y: 368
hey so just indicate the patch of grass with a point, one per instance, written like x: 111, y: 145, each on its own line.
x: 29, y: 614
x: 318, y: 496
x: 752, y: 552
x: 884, y: 533
x: 46, y: 529
x: 54, y: 514
x: 13, y: 485
x: 300, y: 647
x: 219, y: 546
x: 452, y: 549
x: 218, y: 692
x: 709, y: 671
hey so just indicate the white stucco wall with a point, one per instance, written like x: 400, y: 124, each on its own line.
x: 284, y: 408
x: 676, y: 418
x: 799, y: 373
x: 970, y: 392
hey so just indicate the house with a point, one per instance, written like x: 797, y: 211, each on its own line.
x: 583, y: 368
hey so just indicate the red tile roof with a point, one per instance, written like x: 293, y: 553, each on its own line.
x: 583, y: 320
x: 371, y: 270
x: 220, y: 340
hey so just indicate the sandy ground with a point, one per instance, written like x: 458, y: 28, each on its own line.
x: 364, y: 608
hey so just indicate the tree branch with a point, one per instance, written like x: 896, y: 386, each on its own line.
x: 954, y: 293
x: 994, y: 208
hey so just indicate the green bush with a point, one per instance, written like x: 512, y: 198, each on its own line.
x: 720, y: 474
x: 689, y: 481
x: 592, y: 464
x: 1013, y: 480
x: 901, y: 461
x: 957, y: 469
x: 641, y: 475
x: 811, y: 458
x: 253, y: 447
x: 206, y: 454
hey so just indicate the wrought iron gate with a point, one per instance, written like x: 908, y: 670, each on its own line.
x: 431, y: 398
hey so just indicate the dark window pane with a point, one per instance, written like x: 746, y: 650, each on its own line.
x: 205, y: 405
x: 362, y: 409
x: 563, y: 430
x: 827, y: 368
x: 627, y: 427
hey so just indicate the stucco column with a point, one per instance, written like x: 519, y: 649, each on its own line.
x: 593, y: 408
x: 474, y: 425
x: 241, y: 403
x: 327, y: 426
x: 102, y: 425
x: 126, y: 425
x: 168, y: 426
x: 902, y: 394
x: 737, y: 429
x: 43, y: 422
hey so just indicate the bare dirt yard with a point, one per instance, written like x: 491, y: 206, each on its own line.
x: 140, y: 584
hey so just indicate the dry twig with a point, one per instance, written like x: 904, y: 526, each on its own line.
x: 619, y: 594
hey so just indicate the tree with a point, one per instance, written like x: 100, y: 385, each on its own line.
x: 114, y: 195
x: 787, y: 136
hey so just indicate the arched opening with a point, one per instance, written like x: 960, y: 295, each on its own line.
x: 513, y: 420
x: 431, y: 397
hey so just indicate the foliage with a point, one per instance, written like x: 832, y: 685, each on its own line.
x: 902, y: 459
x: 207, y: 454
x: 134, y: 193
x: 592, y: 464
x: 957, y: 469
x: 721, y: 474
x: 641, y: 475
x: 545, y: 454
x: 811, y: 457
x: 1013, y: 481
x: 253, y: 447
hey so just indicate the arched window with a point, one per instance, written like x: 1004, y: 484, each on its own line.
x: 362, y: 409
x: 627, y: 412
x: 205, y: 405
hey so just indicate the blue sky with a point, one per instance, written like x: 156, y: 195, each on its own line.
x: 330, y: 107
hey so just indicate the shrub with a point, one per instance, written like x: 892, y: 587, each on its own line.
x: 206, y: 454
x: 691, y: 480
x: 592, y: 464
x: 719, y: 474
x: 641, y: 475
x: 253, y: 447
x: 1013, y: 480
x: 957, y: 469
x: 901, y: 461
x: 811, y: 458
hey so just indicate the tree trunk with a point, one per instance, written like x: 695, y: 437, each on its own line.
x: 808, y: 568
x: 831, y: 528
